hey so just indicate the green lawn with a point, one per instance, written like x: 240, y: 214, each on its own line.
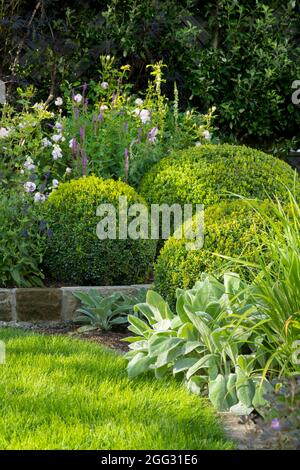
x: 64, y: 393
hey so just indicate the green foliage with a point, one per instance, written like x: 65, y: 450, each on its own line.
x: 232, y: 229
x: 278, y: 285
x: 22, y: 241
x: 116, y: 134
x: 105, y: 312
x: 247, y: 70
x: 75, y: 254
x: 211, y: 342
x: 241, y: 56
x: 280, y: 426
x: 207, y: 174
x: 28, y: 143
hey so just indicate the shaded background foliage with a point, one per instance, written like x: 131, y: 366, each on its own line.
x: 241, y: 56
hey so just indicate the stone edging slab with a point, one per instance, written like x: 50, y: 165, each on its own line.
x: 49, y: 304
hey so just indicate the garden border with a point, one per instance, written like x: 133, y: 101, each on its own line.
x: 50, y: 304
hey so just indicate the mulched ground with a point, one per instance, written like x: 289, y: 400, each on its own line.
x: 112, y: 339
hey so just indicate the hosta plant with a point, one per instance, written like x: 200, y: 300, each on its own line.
x: 104, y: 313
x: 210, y: 342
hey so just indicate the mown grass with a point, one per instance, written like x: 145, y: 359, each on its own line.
x: 64, y: 393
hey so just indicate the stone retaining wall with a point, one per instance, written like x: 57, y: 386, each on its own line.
x: 38, y: 304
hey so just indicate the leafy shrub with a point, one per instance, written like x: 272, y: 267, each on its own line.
x: 246, y: 69
x: 105, y: 312
x: 206, y: 175
x: 210, y: 342
x: 75, y: 254
x: 22, y: 241
x: 30, y: 152
x: 232, y: 228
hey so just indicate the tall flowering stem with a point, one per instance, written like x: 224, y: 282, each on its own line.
x: 126, y: 155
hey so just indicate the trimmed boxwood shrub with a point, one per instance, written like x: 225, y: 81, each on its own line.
x: 207, y: 174
x: 232, y: 228
x: 75, y: 255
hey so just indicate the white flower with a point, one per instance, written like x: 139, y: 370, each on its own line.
x: 298, y: 151
x: 139, y: 101
x: 56, y: 137
x: 4, y: 133
x: 59, y: 126
x: 39, y: 197
x: 207, y: 135
x: 104, y: 85
x: 78, y: 98
x: 68, y: 170
x: 198, y: 143
x: 55, y: 184
x: 46, y: 142
x: 58, y: 101
x: 29, y: 164
x: 29, y: 187
x: 103, y: 107
x: 213, y: 109
x: 56, y: 152
x: 145, y: 116
x: 22, y: 172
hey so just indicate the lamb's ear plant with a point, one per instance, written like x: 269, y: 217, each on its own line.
x: 105, y: 312
x: 210, y: 342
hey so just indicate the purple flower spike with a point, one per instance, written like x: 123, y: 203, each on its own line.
x: 100, y: 117
x: 76, y: 112
x: 126, y: 126
x: 152, y: 135
x: 82, y: 134
x: 84, y: 162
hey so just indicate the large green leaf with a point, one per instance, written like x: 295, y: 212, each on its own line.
x: 138, y: 326
x: 183, y: 364
x: 196, y: 384
x: 180, y: 309
x: 217, y: 392
x: 159, y: 307
x: 232, y: 283
x: 188, y: 332
x: 138, y: 365
x: 245, y: 388
x: 241, y: 410
x: 203, y: 363
x: 168, y: 357
x: 231, y: 390
x: 162, y: 344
